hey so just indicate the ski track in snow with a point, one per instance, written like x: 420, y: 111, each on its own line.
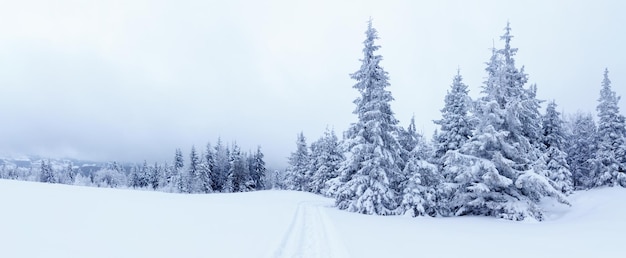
x: 310, y: 234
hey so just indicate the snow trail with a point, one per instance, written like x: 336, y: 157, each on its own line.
x: 310, y: 234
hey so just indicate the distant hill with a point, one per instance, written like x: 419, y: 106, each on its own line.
x: 84, y: 166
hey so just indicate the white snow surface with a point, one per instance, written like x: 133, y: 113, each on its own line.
x: 46, y: 220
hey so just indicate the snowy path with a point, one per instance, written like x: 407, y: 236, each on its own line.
x: 310, y: 234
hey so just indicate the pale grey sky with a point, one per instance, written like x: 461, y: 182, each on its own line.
x: 133, y: 80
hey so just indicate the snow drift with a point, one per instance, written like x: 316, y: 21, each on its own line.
x: 47, y: 220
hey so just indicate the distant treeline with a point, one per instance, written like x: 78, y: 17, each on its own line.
x: 219, y: 168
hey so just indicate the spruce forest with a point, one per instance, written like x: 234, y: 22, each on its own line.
x: 497, y: 155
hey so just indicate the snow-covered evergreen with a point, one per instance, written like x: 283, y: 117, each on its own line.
x: 155, y: 175
x: 47, y: 174
x: 208, y: 165
x: 581, y: 150
x: 408, y: 139
x: 222, y: 166
x: 143, y: 175
x: 258, y: 170
x: 326, y: 157
x: 456, y: 124
x: 134, y: 179
x: 109, y: 177
x: 166, y: 179
x: 611, y: 154
x: 193, y: 172
x: 421, y: 189
x: 296, y: 175
x: 239, y: 179
x: 496, y: 172
x: 205, y: 181
x: 371, y: 168
x: 179, y: 178
x: 554, y: 155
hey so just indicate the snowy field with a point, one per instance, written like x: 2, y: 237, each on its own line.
x: 45, y: 220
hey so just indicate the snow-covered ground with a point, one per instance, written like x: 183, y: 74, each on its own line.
x: 45, y: 220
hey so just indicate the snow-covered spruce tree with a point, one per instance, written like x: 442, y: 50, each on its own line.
x: 47, y: 174
x: 494, y: 173
x: 258, y: 170
x: 408, y: 139
x: 69, y: 174
x: 420, y: 194
x: 456, y: 127
x: 204, y: 177
x: 108, y: 177
x: 297, y: 171
x: 456, y: 124
x: 144, y: 175
x: 156, y: 172
x: 208, y: 166
x: 179, y: 179
x: 554, y: 155
x: 167, y: 175
x: 134, y: 179
x: 581, y: 151
x: 324, y: 164
x: 194, y: 183
x: 611, y: 153
x: 239, y: 173
x: 222, y: 166
x: 276, y: 180
x: 370, y: 174
x: 4, y: 171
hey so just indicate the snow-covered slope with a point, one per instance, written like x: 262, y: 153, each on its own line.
x: 44, y: 220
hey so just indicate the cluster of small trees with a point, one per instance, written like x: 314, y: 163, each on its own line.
x: 218, y: 169
x: 43, y: 171
x: 310, y: 169
x: 494, y: 156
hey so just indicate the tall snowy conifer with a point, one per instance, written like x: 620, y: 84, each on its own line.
x: 325, y: 159
x: 297, y: 172
x: 239, y: 173
x: 582, y: 148
x: 370, y: 172
x: 155, y: 176
x: 494, y: 172
x: 179, y: 161
x: 179, y: 179
x: 408, y: 139
x: 258, y: 170
x: 222, y: 166
x: 167, y: 176
x: 47, y: 174
x: 456, y: 124
x: 70, y: 172
x: 208, y: 164
x: 134, y: 177
x: 554, y: 156
x: 420, y: 194
x: 144, y: 175
x: 611, y: 153
x: 193, y: 172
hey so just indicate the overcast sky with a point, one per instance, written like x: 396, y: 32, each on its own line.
x: 132, y: 80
